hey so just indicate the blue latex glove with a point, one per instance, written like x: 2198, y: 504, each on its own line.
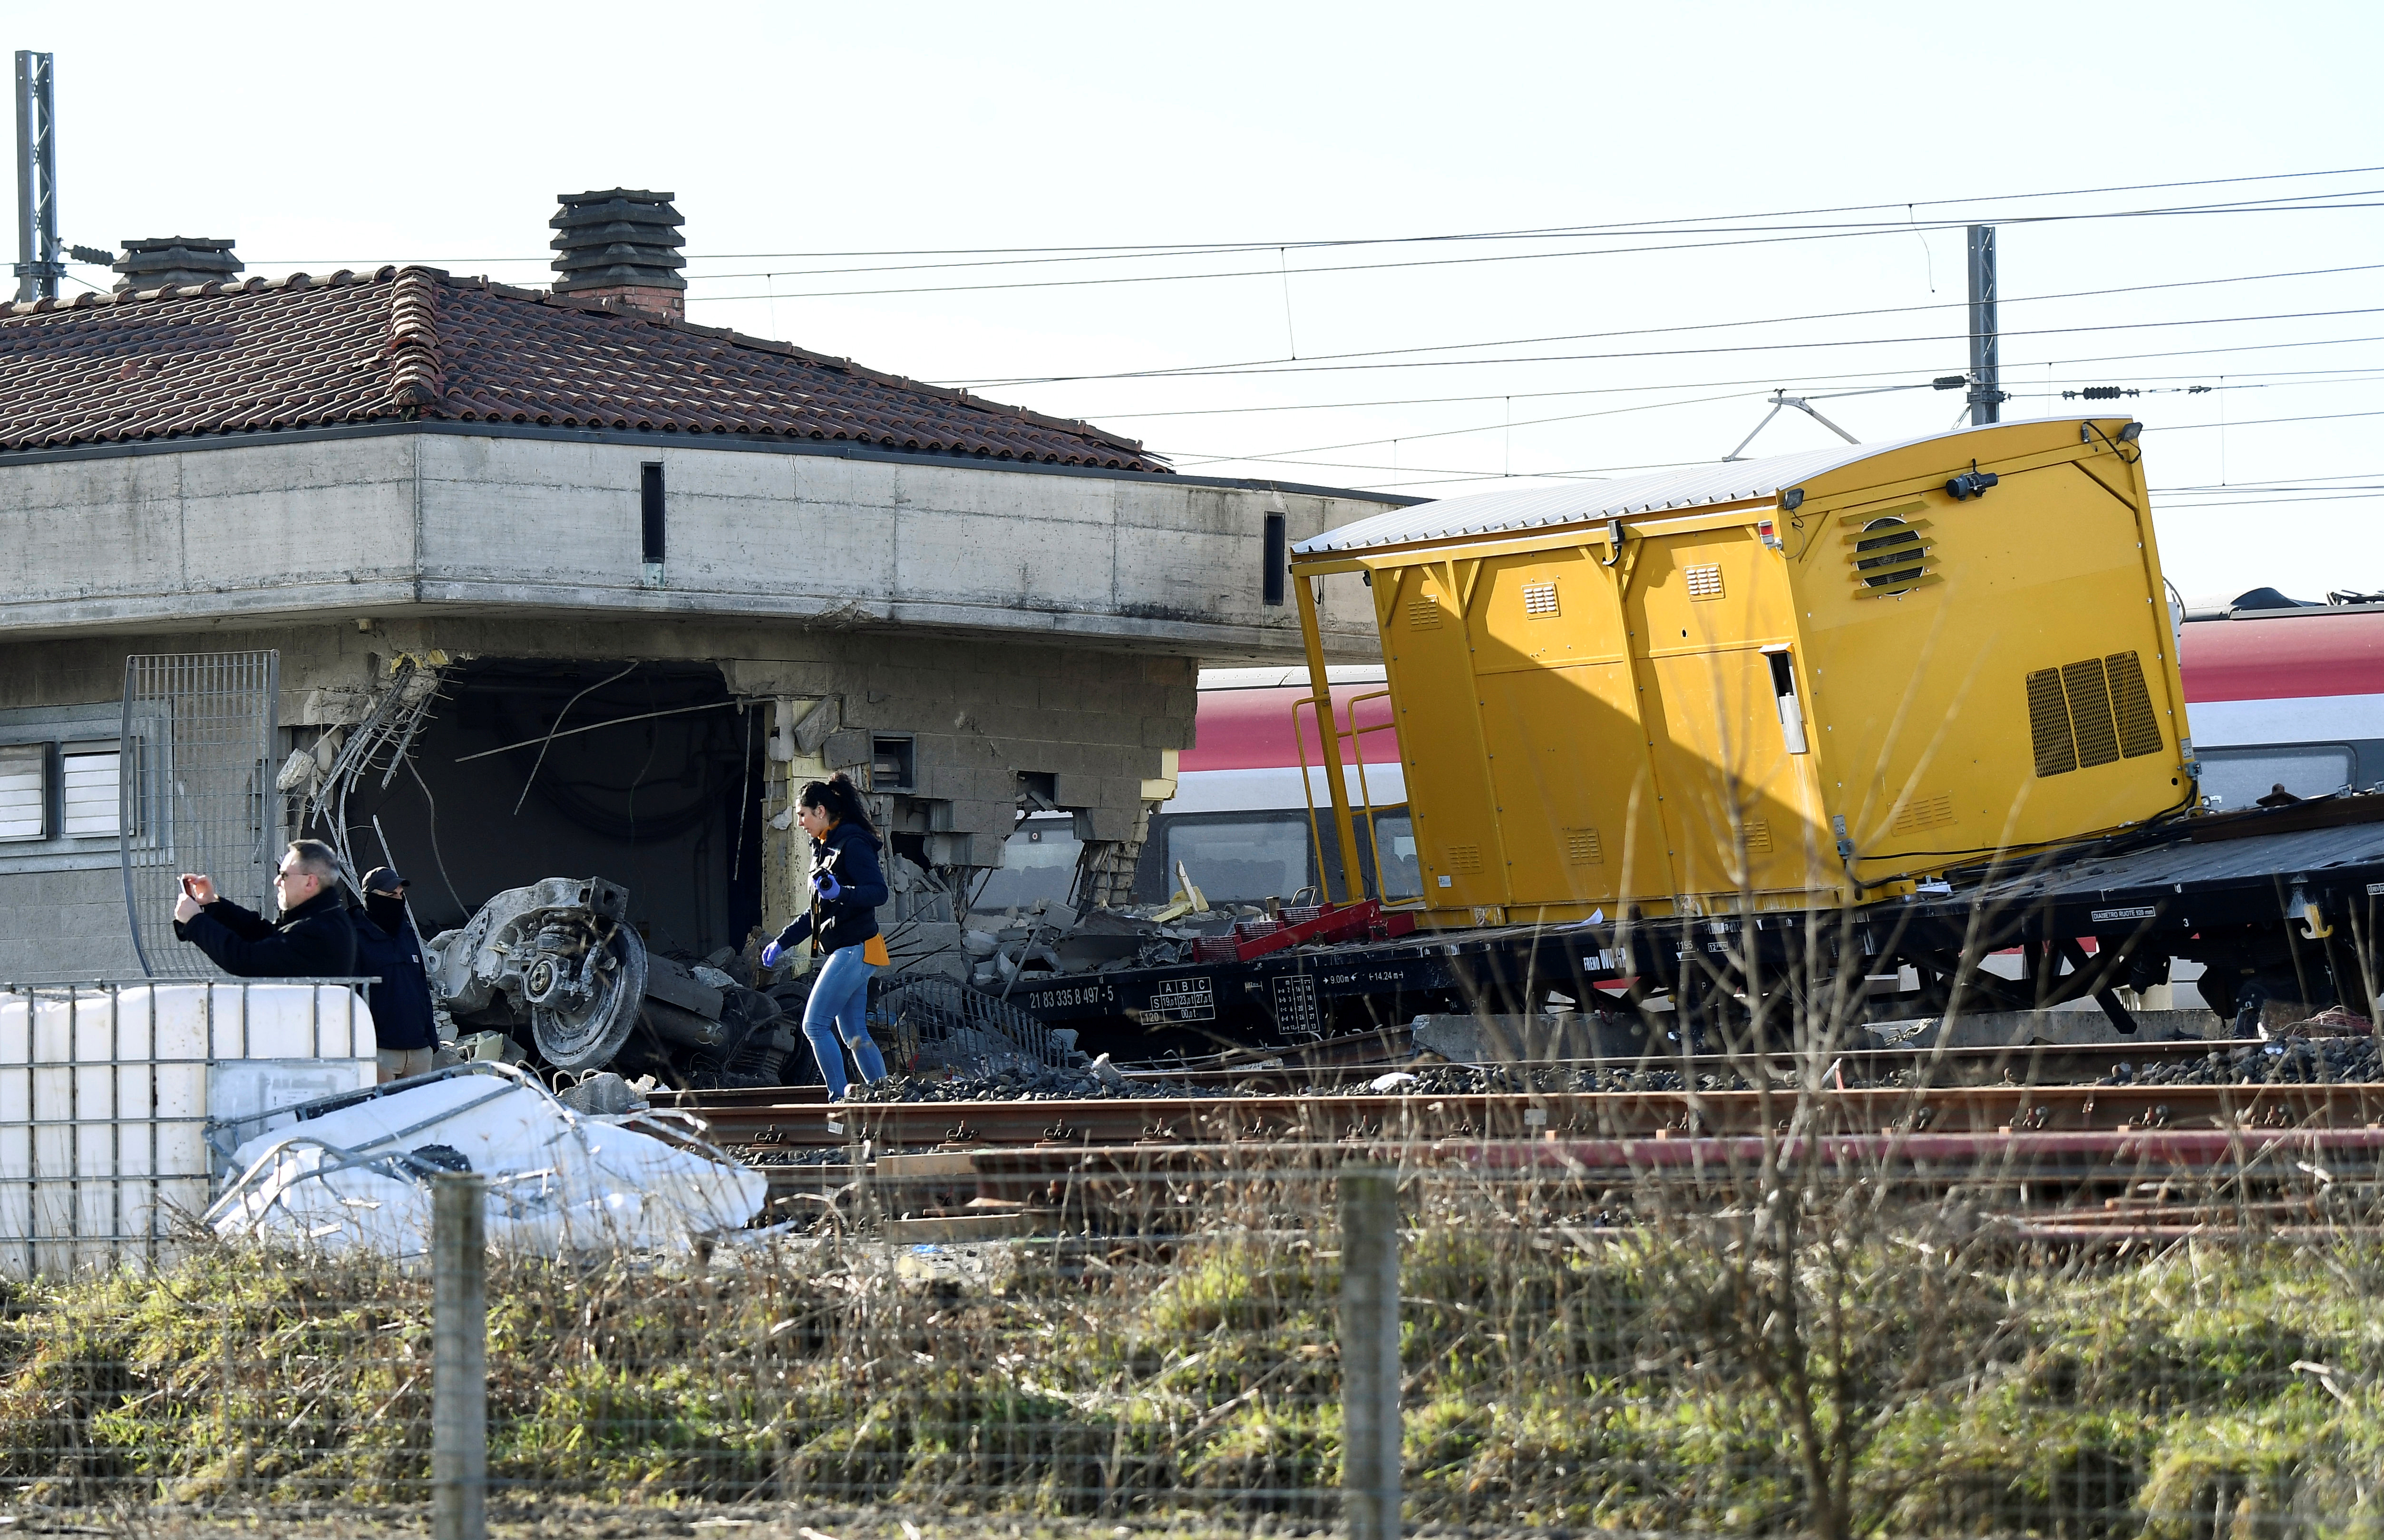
x: 828, y: 888
x: 772, y: 956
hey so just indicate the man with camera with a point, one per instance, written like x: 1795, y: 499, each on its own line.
x: 312, y: 938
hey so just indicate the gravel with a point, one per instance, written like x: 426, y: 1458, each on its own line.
x: 2300, y: 1060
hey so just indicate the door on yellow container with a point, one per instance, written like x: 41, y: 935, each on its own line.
x: 1429, y: 663
x: 1567, y: 758
x: 1712, y: 622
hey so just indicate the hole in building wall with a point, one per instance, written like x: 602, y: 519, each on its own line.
x: 663, y: 794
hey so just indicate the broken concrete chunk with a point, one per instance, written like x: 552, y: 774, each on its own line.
x: 817, y: 723
x: 980, y: 943
x: 1107, y: 1074
x: 493, y: 1046
x: 603, y: 1095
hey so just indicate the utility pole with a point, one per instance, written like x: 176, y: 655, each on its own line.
x: 1986, y: 347
x: 38, y: 268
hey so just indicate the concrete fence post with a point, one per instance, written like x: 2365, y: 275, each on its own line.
x: 1370, y: 1353
x: 459, y: 1358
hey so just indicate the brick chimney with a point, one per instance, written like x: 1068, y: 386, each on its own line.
x: 621, y: 248
x: 185, y: 261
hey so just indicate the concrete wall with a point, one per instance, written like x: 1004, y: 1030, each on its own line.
x: 65, y: 925
x: 424, y: 522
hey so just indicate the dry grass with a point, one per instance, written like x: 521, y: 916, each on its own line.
x: 1713, y: 1370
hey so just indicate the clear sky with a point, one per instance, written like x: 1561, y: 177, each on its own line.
x: 1717, y: 171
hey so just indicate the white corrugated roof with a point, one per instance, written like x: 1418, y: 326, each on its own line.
x: 1539, y: 507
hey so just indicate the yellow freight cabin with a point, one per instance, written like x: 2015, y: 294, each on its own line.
x: 1819, y: 677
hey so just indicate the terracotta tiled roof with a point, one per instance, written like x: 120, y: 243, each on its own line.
x: 406, y: 343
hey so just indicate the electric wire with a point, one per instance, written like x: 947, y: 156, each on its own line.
x: 1269, y: 244
x: 1768, y: 381
x: 1451, y: 472
x: 1187, y: 460
x: 1196, y: 370
x: 1305, y: 368
x: 1764, y: 240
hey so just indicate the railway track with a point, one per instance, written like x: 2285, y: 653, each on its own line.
x: 2042, y: 1064
x: 1330, y: 1118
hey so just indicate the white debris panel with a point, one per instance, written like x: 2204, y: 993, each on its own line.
x: 558, y: 1180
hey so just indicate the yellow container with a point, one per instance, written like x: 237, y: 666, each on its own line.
x: 1821, y: 677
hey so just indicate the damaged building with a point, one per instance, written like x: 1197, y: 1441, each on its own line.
x: 499, y: 584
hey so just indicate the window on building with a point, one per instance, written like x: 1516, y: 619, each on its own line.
x: 1038, y: 862
x: 60, y: 786
x: 893, y: 764
x: 91, y: 793
x: 25, y: 792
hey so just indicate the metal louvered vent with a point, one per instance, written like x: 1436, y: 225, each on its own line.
x: 1890, y: 553
x: 2139, y: 730
x: 2090, y: 712
x: 1424, y: 615
x: 1925, y: 812
x: 1581, y: 848
x: 2048, y: 725
x: 2096, y: 711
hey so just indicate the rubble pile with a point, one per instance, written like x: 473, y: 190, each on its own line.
x: 1053, y: 938
x: 1021, y: 1082
x: 2293, y: 1061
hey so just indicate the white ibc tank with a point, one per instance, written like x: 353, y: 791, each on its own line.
x: 107, y: 1092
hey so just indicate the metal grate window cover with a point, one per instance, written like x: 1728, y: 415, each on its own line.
x: 1464, y: 859
x: 24, y: 792
x: 2096, y: 711
x: 195, y: 768
x: 1539, y: 599
x: 1581, y: 848
x: 1424, y: 615
x: 1705, y: 582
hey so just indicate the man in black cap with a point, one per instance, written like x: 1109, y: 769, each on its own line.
x: 388, y: 946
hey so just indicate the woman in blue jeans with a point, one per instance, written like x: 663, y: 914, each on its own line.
x: 847, y: 887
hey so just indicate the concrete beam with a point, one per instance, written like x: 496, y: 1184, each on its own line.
x: 445, y: 524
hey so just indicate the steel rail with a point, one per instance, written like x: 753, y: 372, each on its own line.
x: 1976, y: 1109
x: 2028, y: 1064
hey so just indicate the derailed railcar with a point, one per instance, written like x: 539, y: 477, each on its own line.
x: 1738, y: 734
x: 1815, y: 680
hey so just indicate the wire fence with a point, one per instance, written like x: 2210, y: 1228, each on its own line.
x: 195, y: 781
x: 1799, y: 1338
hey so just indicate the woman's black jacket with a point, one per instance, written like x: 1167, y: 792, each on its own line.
x: 851, y: 852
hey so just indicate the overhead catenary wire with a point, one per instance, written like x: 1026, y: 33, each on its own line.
x: 1188, y: 460
x: 1130, y: 248
x: 2348, y: 372
x: 1781, y: 238
x: 1453, y: 474
x: 1199, y: 371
